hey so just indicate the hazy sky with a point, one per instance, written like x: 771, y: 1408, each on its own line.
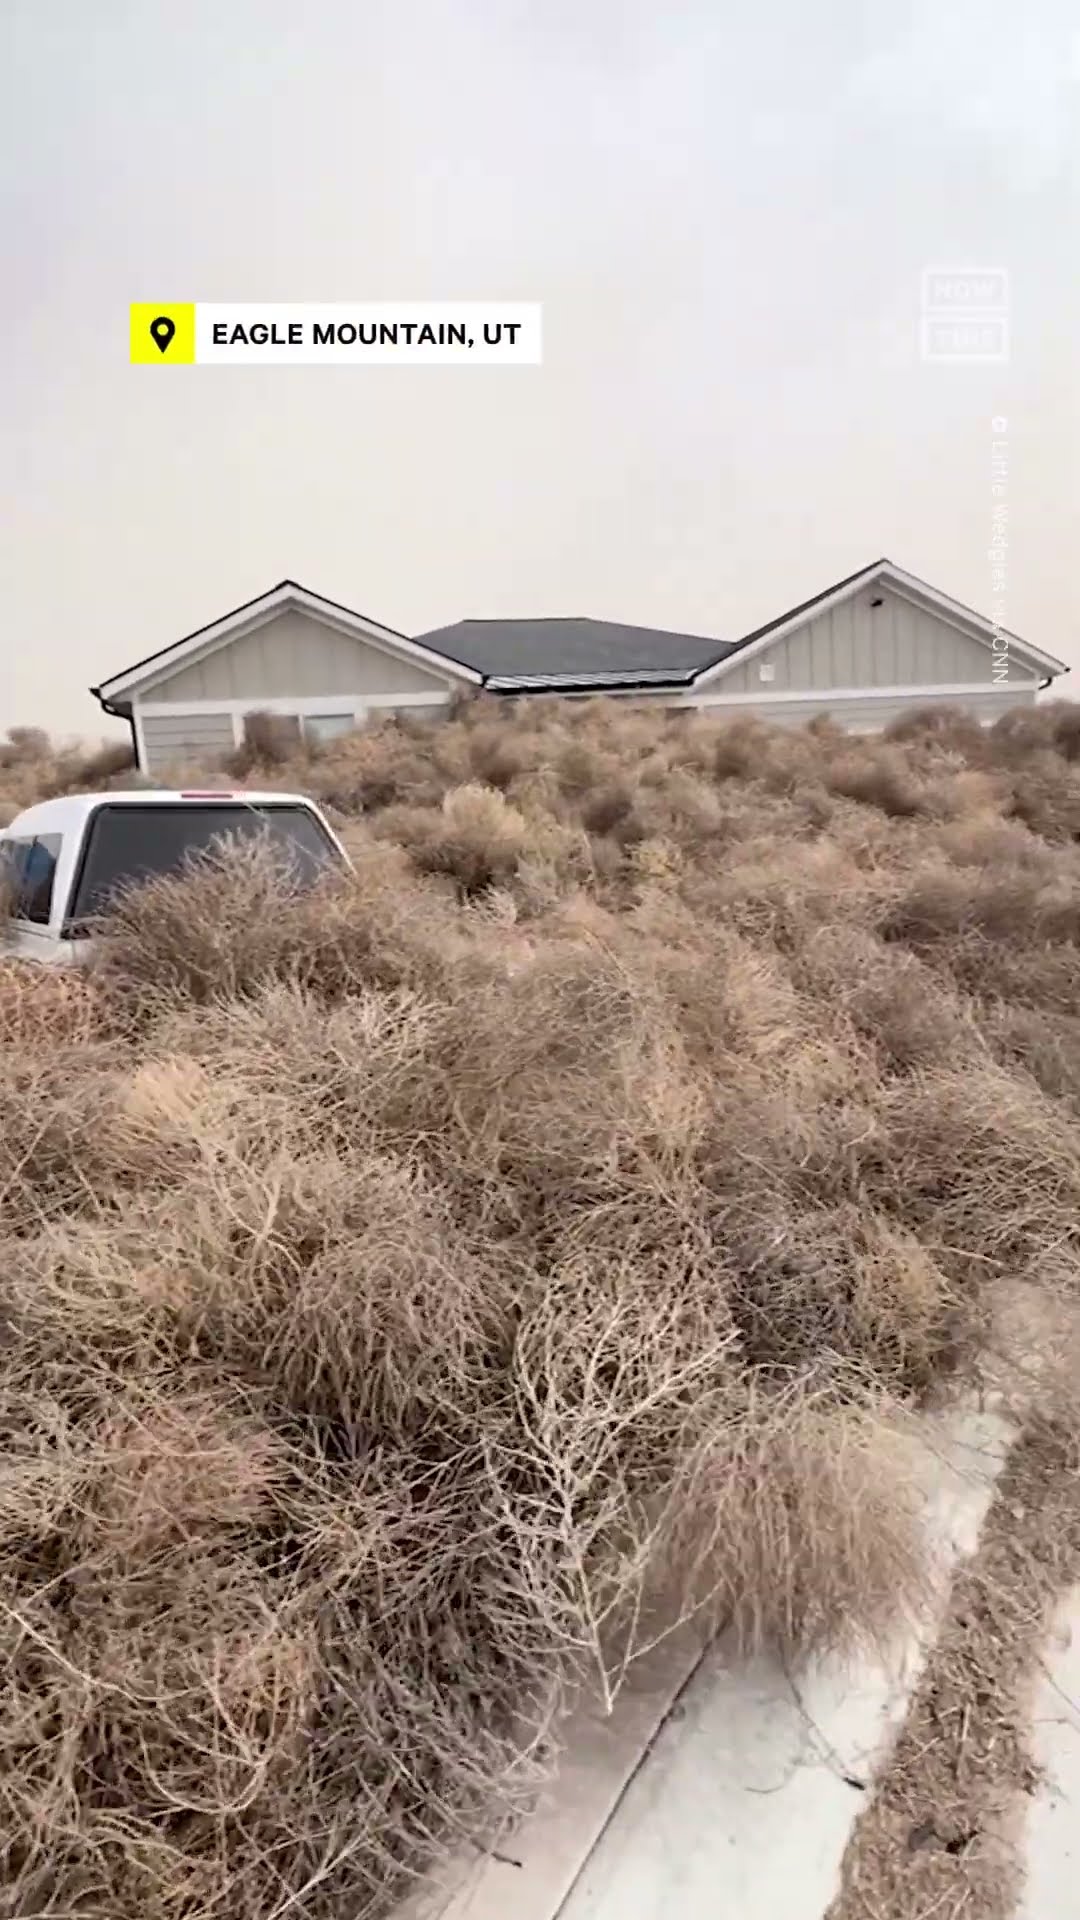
x: 726, y: 212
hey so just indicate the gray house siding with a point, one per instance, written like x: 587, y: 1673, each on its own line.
x: 856, y: 644
x: 293, y: 656
x: 189, y: 738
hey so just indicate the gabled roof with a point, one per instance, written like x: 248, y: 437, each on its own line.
x: 979, y: 627
x: 555, y: 655
x: 254, y: 613
x: 569, y: 654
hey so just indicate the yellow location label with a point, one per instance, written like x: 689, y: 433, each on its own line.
x: 163, y: 334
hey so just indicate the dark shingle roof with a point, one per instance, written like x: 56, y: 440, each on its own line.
x: 565, y: 651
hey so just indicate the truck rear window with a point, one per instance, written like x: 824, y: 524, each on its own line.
x: 131, y: 843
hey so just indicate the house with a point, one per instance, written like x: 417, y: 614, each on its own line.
x: 865, y: 650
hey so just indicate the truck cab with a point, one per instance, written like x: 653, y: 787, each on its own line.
x: 61, y: 860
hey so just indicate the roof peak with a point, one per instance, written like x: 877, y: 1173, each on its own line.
x: 532, y: 620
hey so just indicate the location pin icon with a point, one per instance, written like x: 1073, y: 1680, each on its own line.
x: 161, y: 331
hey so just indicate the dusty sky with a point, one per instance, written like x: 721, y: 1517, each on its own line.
x: 726, y: 211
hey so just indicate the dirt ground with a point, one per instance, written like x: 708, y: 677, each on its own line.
x: 941, y: 1838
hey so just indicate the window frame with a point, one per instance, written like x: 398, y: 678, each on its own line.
x: 351, y: 720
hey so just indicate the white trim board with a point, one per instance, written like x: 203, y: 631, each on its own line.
x: 296, y: 703
x: 909, y: 586
x: 917, y: 591
x: 257, y: 613
x: 794, y: 696
x: 959, y: 625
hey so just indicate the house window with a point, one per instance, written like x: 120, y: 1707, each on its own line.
x: 766, y: 671
x: 275, y: 735
x: 271, y: 735
x: 327, y: 726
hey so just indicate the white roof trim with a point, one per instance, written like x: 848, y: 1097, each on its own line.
x: 552, y: 682
x: 907, y: 583
x: 972, y: 623
x: 833, y: 696
x: 297, y: 704
x: 256, y: 613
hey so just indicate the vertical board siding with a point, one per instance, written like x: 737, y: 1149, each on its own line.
x: 856, y: 644
x: 293, y: 655
x: 841, y: 656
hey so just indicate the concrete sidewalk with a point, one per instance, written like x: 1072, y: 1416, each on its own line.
x: 719, y: 1789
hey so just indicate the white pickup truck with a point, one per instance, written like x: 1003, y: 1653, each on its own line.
x: 62, y: 859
